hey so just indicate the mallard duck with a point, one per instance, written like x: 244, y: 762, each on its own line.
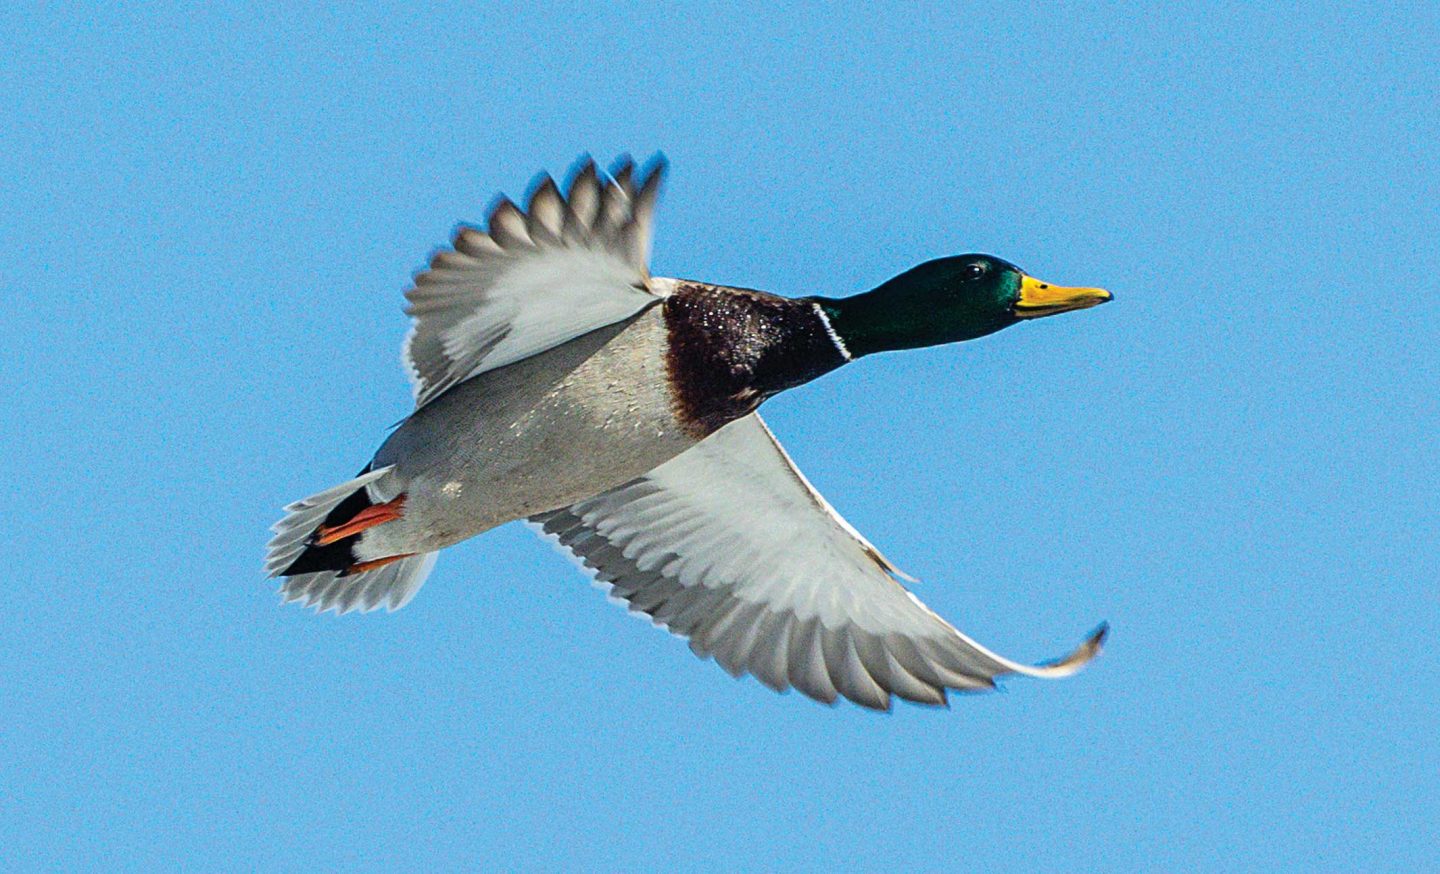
x: 557, y: 381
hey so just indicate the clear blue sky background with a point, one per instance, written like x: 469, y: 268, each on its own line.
x: 207, y: 216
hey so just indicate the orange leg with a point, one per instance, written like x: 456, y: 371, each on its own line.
x: 364, y: 566
x: 367, y: 518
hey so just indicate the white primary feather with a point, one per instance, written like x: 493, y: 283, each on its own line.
x: 730, y: 546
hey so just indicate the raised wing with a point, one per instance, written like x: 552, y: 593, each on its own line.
x: 562, y: 267
x: 728, y: 545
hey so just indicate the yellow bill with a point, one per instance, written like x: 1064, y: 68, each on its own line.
x: 1043, y: 299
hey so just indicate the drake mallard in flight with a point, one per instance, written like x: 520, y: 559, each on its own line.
x: 557, y: 381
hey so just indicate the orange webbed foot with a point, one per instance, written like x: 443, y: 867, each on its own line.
x: 377, y: 514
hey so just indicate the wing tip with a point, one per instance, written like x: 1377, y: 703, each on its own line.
x: 621, y: 168
x: 1082, y: 655
x: 654, y: 169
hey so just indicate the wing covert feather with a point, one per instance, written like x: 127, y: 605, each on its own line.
x: 533, y: 278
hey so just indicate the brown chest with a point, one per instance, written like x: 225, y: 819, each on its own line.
x: 731, y: 348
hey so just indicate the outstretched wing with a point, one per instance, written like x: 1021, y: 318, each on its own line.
x: 728, y: 545
x: 535, y: 278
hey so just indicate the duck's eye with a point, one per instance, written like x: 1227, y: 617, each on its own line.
x: 971, y: 272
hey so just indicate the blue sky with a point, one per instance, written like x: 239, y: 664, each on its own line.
x: 207, y: 217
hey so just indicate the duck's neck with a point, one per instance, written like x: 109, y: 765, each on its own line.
x: 866, y: 324
x: 896, y: 316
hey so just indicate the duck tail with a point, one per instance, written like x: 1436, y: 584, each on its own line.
x: 313, y: 551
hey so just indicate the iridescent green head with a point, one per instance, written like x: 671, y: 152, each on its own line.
x: 948, y: 300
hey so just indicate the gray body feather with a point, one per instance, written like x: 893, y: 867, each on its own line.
x: 542, y: 433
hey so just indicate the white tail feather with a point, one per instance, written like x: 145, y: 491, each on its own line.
x: 393, y: 584
x: 302, y: 518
